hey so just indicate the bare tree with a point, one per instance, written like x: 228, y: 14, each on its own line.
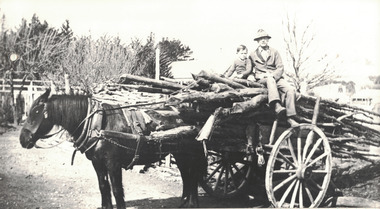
x: 308, y: 69
x: 88, y: 62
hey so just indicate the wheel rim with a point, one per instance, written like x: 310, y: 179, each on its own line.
x: 299, y: 168
x: 228, y: 173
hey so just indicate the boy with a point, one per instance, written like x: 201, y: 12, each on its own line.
x: 266, y: 65
x: 239, y: 65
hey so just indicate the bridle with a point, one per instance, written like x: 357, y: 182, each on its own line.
x: 48, y: 136
x: 39, y: 112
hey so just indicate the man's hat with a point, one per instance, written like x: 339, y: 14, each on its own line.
x: 261, y: 34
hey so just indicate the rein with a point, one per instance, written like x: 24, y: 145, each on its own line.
x: 48, y: 136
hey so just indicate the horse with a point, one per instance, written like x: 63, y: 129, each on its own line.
x: 110, y: 155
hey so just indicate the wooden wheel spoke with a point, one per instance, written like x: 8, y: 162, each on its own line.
x: 309, y: 193
x: 213, y: 172
x: 300, y: 197
x: 234, y: 182
x: 319, y: 171
x: 299, y: 149
x: 218, y: 180
x: 286, y: 159
x: 286, y: 193
x: 242, y: 161
x: 290, y: 145
x: 210, y: 152
x: 284, y: 171
x: 284, y: 182
x: 315, y: 184
x: 294, y: 195
x: 217, y: 161
x: 308, y: 142
x: 226, y: 179
x: 317, y: 159
x: 244, y: 175
x: 316, y: 145
x: 238, y: 169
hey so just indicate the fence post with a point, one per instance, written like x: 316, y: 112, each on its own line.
x: 67, y: 84
x: 3, y: 94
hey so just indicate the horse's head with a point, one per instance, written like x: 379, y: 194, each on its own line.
x: 37, y: 124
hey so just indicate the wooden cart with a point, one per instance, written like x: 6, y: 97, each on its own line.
x: 247, y: 146
x: 298, y: 161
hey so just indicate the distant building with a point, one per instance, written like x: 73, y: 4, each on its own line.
x: 335, y: 91
x: 366, y: 97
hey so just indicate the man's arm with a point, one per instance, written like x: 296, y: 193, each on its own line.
x: 277, y: 74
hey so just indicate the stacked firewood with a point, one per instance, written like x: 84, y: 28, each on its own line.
x: 237, y: 102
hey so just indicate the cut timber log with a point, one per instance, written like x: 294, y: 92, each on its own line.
x: 248, y: 83
x: 168, y: 135
x: 149, y: 89
x: 217, y: 78
x: 233, y: 95
x: 241, y: 107
x: 164, y: 84
x: 174, y: 134
x: 203, y: 96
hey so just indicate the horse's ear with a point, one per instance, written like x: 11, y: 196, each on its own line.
x: 45, y: 96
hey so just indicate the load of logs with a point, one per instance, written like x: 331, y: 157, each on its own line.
x: 238, y: 102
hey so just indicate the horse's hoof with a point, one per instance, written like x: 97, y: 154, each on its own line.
x: 184, y: 201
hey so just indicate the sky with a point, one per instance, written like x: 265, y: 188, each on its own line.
x: 214, y: 28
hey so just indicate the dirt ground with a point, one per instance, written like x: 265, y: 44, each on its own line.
x: 45, y: 178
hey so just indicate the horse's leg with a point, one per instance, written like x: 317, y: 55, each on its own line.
x: 183, y: 168
x: 104, y: 186
x: 117, y: 184
x: 197, y: 168
x: 193, y: 181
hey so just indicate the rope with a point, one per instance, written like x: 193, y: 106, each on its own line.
x: 160, y: 152
x: 134, y: 105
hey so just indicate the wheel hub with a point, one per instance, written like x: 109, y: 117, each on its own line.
x: 303, y: 172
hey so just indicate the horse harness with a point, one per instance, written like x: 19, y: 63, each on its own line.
x: 93, y: 131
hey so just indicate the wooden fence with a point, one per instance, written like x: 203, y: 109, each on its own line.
x: 30, y: 90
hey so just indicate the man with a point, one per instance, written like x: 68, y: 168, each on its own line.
x: 266, y: 65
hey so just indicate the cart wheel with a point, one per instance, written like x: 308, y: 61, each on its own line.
x: 228, y: 173
x: 299, y: 168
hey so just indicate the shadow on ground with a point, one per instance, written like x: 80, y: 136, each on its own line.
x: 205, y: 202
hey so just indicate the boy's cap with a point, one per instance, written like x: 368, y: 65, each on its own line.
x: 261, y: 34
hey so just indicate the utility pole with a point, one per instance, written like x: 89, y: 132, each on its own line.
x: 13, y: 58
x: 157, y: 69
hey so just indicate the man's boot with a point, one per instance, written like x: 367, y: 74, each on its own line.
x: 279, y: 110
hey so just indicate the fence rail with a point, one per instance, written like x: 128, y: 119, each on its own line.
x: 34, y: 85
x: 30, y: 90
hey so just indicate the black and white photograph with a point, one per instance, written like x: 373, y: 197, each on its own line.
x: 189, y: 103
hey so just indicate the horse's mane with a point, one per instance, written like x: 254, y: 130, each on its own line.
x: 68, y: 111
